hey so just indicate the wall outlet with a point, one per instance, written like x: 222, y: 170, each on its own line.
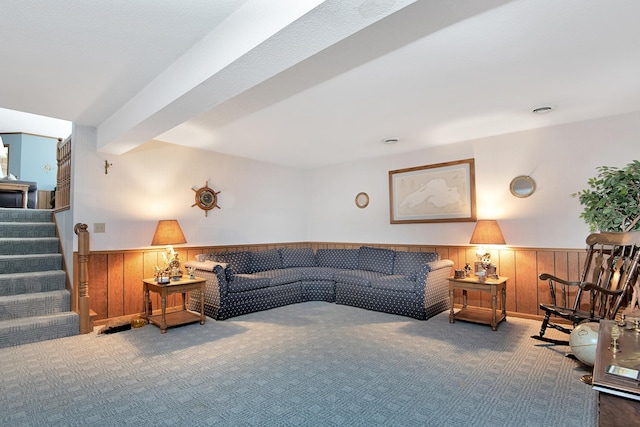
x: 98, y: 227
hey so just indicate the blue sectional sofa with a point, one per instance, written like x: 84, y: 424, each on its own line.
x: 411, y: 284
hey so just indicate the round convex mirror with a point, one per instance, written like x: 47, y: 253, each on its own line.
x: 522, y: 186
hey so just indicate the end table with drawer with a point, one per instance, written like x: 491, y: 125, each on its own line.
x: 480, y: 315
x: 166, y: 320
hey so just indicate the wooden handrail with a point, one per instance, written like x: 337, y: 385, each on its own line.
x: 63, y: 188
x: 86, y: 320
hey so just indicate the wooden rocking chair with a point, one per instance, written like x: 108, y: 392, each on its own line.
x: 610, y: 270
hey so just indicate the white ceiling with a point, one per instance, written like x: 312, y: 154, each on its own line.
x: 307, y: 83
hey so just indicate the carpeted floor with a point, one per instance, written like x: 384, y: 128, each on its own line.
x: 310, y: 364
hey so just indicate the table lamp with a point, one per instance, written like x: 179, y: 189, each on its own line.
x: 486, y: 232
x: 168, y: 232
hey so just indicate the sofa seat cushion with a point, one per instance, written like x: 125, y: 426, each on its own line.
x: 397, y: 283
x: 247, y: 282
x: 376, y: 259
x: 316, y: 273
x: 280, y: 277
x: 408, y: 263
x: 357, y: 277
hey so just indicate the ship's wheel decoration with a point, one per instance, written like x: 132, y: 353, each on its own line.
x: 206, y: 198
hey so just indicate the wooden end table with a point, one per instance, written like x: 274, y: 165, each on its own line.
x: 477, y: 314
x: 618, y: 396
x: 183, y: 317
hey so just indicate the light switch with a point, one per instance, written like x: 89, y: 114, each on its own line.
x: 98, y: 227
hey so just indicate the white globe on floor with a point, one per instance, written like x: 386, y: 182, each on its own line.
x: 583, y: 341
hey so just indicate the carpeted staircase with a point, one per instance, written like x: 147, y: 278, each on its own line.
x: 34, y: 301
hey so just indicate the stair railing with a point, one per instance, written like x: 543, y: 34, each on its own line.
x: 86, y: 321
x: 63, y: 188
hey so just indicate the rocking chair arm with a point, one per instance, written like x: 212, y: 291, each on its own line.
x: 546, y: 276
x: 591, y: 287
x: 564, y: 287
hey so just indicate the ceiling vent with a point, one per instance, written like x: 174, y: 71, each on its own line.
x: 544, y: 109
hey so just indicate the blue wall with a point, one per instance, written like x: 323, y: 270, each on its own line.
x: 33, y: 158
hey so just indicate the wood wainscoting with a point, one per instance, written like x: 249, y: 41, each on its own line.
x: 115, y: 277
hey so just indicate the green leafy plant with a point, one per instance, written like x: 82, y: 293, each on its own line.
x: 612, y: 201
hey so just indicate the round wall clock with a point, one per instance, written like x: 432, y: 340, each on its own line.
x: 206, y: 198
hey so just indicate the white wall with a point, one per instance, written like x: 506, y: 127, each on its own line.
x: 560, y: 159
x: 260, y: 203
x: 263, y: 203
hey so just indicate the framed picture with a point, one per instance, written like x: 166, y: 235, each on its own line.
x: 443, y: 192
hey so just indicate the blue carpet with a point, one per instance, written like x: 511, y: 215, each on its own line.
x: 310, y: 364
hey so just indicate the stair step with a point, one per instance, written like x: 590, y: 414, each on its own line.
x: 28, y: 263
x: 27, y: 229
x: 40, y: 328
x: 25, y: 215
x: 37, y: 281
x: 38, y: 245
x: 37, y: 304
x: 34, y: 303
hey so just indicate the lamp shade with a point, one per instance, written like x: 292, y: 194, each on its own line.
x: 168, y: 232
x: 487, y: 232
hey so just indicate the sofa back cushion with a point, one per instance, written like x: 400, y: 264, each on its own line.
x: 302, y: 257
x: 376, y: 259
x: 265, y: 260
x: 408, y: 263
x: 338, y: 258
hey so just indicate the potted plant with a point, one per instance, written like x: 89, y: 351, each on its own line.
x: 612, y: 201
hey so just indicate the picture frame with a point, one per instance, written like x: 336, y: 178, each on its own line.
x: 442, y: 192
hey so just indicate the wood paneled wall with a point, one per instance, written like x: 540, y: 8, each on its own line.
x: 115, y: 277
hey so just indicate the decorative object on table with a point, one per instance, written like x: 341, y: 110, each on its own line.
x: 162, y: 276
x: 443, y: 192
x: 522, y: 186
x: 486, y: 232
x: 192, y: 272
x: 467, y: 270
x: 459, y: 274
x: 168, y: 232
x: 362, y: 200
x: 583, y: 341
x: 206, y: 198
x: 492, y: 270
x: 615, y: 336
